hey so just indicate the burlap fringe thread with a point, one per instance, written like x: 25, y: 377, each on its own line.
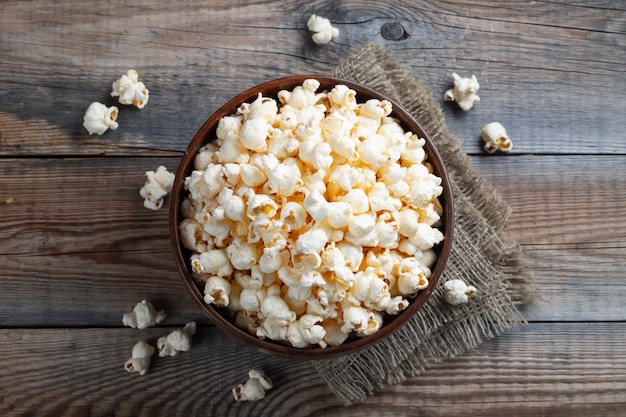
x: 479, y: 256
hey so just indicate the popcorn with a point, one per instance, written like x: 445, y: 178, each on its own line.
x: 254, y: 133
x: 323, y: 227
x: 157, y: 186
x: 495, y: 138
x: 100, y: 118
x: 254, y: 388
x: 177, y: 341
x: 140, y: 358
x: 463, y: 92
x: 143, y: 316
x: 228, y: 128
x: 130, y: 90
x: 216, y: 291
x: 305, y: 331
x: 215, y: 261
x: 324, y: 32
x: 457, y: 292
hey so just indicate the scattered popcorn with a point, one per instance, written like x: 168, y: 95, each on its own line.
x: 254, y: 388
x: 464, y: 92
x: 313, y: 244
x: 457, y: 292
x: 143, y: 316
x: 495, y: 138
x: 130, y: 90
x: 157, y: 186
x: 177, y: 341
x: 140, y: 358
x: 324, y: 32
x: 100, y: 118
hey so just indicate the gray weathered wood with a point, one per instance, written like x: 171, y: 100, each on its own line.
x: 78, y: 250
x: 577, y: 369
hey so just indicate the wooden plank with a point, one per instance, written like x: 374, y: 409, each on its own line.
x: 530, y: 68
x: 565, y: 214
x: 93, y: 238
x: 576, y: 369
x: 85, y: 252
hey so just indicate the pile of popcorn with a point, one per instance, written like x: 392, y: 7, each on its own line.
x: 312, y: 216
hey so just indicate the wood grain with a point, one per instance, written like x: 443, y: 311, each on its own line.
x: 578, y: 369
x: 78, y: 249
x: 104, y: 243
x: 533, y: 64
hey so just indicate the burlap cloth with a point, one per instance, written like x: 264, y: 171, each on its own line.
x: 479, y: 256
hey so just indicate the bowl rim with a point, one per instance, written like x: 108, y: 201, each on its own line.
x: 207, y: 132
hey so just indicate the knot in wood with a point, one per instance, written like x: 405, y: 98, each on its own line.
x: 393, y: 32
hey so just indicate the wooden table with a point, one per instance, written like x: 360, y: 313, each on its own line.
x: 78, y: 249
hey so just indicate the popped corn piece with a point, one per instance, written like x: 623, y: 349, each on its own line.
x: 100, y: 118
x: 301, y: 96
x: 458, y: 292
x: 192, y: 235
x: 284, y: 178
x: 206, y: 184
x: 254, y: 134
x: 140, y: 358
x: 265, y: 108
x: 370, y: 289
x: 426, y: 236
x: 130, y: 90
x: 216, y: 291
x: 305, y: 331
x: 495, y: 138
x: 357, y: 199
x: 206, y: 155
x: 339, y: 214
x: 143, y: 316
x: 411, y: 277
x: 254, y: 388
x: 316, y: 205
x: 353, y: 254
x: 373, y: 151
x: 342, y: 97
x: 177, y: 341
x: 464, y: 91
x: 396, y: 305
x: 360, y: 320
x: 278, y: 317
x: 228, y: 128
x: 334, y: 336
x: 214, y: 261
x: 157, y: 186
x: 251, y: 299
x: 242, y: 254
x: 324, y: 31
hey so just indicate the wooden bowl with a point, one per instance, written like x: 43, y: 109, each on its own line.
x: 221, y: 318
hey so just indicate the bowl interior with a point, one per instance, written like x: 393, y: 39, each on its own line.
x: 182, y: 255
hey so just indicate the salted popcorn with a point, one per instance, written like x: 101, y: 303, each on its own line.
x: 130, y: 90
x: 144, y: 315
x: 178, y: 340
x: 495, y: 138
x: 313, y: 242
x: 254, y: 388
x: 140, y: 358
x: 323, y: 30
x: 464, y: 91
x: 100, y: 118
x: 158, y: 185
x: 458, y: 292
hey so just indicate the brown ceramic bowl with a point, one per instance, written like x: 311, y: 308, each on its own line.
x: 220, y: 318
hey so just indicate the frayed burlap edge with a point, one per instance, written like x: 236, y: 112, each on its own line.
x: 478, y: 257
